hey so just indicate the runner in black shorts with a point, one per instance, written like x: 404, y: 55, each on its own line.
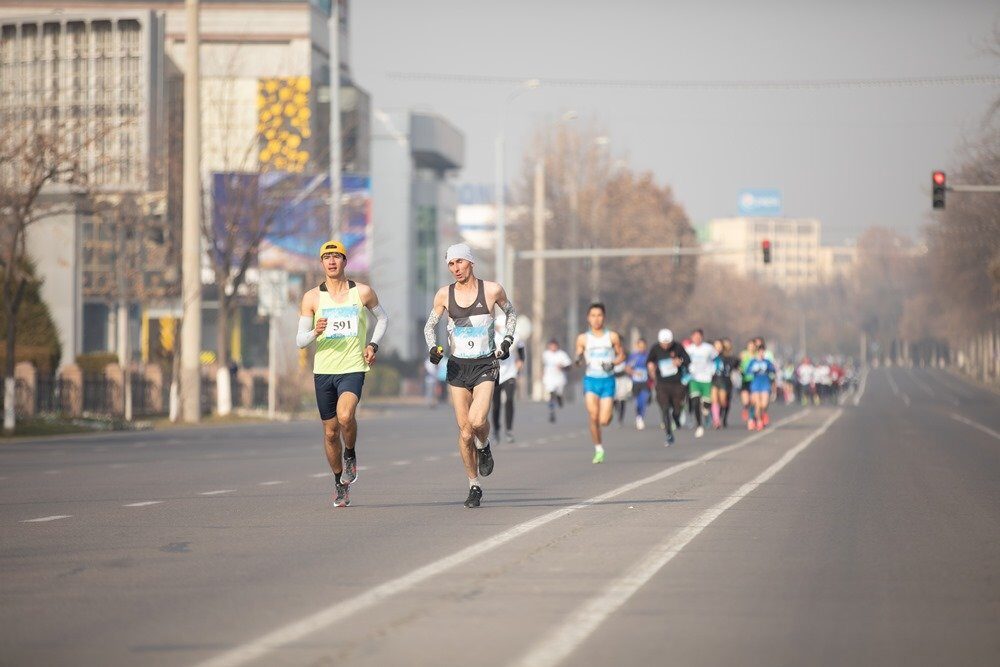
x: 667, y: 362
x: 473, y: 367
x: 722, y: 382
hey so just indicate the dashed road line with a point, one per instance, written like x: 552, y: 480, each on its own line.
x: 401, y: 463
x: 322, y: 474
x: 217, y: 492
x: 145, y: 503
x: 892, y: 383
x: 977, y: 425
x: 431, y: 458
x: 274, y: 482
x: 43, y: 519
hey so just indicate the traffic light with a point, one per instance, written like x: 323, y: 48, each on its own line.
x: 765, y: 247
x: 939, y: 184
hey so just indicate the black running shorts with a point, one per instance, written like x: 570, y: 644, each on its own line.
x: 467, y: 373
x: 330, y: 387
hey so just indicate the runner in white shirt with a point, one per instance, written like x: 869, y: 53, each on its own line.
x: 701, y: 368
x: 804, y: 381
x: 507, y: 380
x: 554, y: 364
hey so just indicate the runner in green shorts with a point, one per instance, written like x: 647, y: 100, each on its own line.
x: 701, y: 368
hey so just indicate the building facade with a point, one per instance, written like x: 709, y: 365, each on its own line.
x: 266, y: 74
x: 795, y: 244
x: 414, y: 155
x: 91, y: 83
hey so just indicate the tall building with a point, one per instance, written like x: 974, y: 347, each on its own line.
x: 92, y: 83
x: 795, y: 248
x: 414, y: 155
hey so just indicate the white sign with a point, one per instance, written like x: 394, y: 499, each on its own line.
x: 272, y: 292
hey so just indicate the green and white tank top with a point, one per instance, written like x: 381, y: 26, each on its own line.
x: 598, y: 351
x: 470, y: 328
x: 340, y: 348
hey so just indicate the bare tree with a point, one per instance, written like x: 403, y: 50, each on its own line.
x: 594, y: 200
x: 34, y: 156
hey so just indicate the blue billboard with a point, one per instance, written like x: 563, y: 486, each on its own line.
x: 758, y: 202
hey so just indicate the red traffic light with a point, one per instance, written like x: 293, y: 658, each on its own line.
x: 938, y: 177
x: 765, y: 247
x: 765, y: 244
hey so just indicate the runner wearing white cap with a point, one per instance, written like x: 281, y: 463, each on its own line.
x: 473, y: 367
x: 667, y: 362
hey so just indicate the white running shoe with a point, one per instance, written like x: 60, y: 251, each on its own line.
x: 640, y: 423
x: 700, y: 431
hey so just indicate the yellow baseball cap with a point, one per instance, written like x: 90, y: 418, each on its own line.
x: 332, y: 246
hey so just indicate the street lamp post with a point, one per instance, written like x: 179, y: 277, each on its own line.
x: 499, y: 186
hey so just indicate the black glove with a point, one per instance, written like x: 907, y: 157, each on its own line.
x: 436, y: 353
x: 608, y: 366
x: 505, y: 347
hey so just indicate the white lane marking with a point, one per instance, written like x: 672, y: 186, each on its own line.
x: 542, y: 441
x: 861, y: 387
x: 522, y: 445
x: 920, y: 383
x: 217, y: 492
x: 454, y: 453
x: 271, y: 483
x: 145, y: 503
x: 42, y: 519
x: 984, y: 429
x: 892, y: 383
x: 558, y: 645
x: 401, y: 463
x: 362, y: 468
x: 328, y: 616
x: 322, y: 474
x: 431, y: 458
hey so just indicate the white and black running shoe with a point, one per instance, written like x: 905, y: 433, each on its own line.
x: 485, y: 460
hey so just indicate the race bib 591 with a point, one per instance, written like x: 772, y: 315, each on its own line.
x: 341, y: 322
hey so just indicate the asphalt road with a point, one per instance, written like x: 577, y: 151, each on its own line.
x: 866, y: 533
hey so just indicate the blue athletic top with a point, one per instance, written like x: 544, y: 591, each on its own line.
x: 637, y: 360
x: 761, y: 372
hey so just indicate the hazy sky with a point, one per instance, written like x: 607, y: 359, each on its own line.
x: 851, y: 158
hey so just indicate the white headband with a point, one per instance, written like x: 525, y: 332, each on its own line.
x: 460, y: 251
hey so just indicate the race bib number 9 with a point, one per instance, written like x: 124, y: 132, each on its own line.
x: 341, y: 322
x: 471, y: 342
x: 667, y: 368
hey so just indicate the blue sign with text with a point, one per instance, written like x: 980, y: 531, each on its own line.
x: 760, y: 202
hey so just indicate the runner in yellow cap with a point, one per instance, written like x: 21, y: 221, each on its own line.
x: 332, y: 315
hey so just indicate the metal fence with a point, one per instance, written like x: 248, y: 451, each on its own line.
x: 100, y: 395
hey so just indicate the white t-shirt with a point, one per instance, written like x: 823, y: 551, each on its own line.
x: 821, y: 375
x: 508, y: 366
x: 554, y: 364
x: 804, y: 373
x: 702, y: 366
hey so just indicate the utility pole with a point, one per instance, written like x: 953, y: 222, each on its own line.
x: 191, y: 234
x: 124, y: 348
x: 335, y: 147
x: 573, y: 313
x: 538, y: 285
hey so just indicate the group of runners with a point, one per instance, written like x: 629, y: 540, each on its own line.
x: 484, y: 357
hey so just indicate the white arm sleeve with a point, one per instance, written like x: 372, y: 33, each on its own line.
x: 381, y: 323
x: 306, y: 334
